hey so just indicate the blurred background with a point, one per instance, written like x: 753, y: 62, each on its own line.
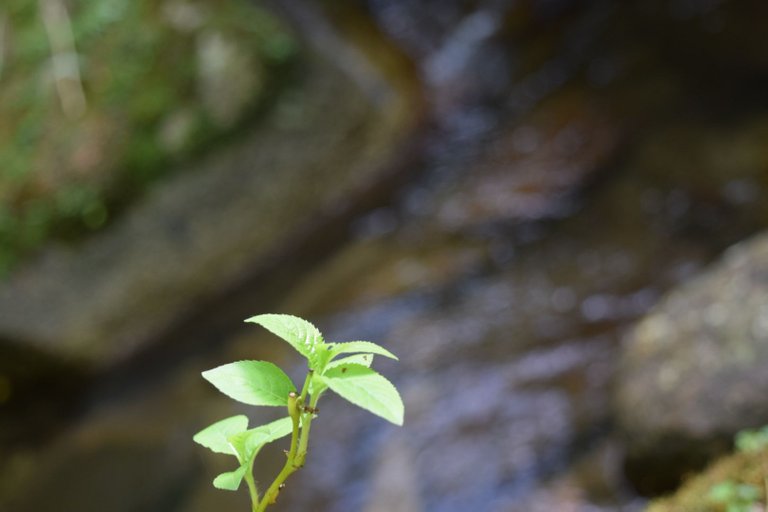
x: 526, y: 200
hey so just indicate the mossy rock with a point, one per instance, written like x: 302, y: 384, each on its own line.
x: 98, y: 98
x: 716, y: 488
x: 201, y: 234
x: 692, y: 374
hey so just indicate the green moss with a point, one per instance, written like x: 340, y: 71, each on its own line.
x: 139, y: 65
x: 733, y: 484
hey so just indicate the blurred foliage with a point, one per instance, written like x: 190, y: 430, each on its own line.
x: 736, y: 483
x: 150, y: 73
x: 734, y: 497
x: 752, y: 440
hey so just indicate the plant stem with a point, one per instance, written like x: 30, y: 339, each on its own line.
x: 305, y: 388
x: 252, y: 487
x: 304, y: 441
x: 294, y: 453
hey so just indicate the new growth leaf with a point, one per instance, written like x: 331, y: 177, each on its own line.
x: 367, y: 389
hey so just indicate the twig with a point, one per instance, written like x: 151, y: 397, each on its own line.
x: 3, y: 31
x: 64, y: 58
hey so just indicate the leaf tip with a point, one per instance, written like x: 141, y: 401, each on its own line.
x: 395, y: 417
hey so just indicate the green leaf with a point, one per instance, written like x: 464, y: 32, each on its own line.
x: 362, y: 359
x: 272, y: 431
x: 752, y: 440
x: 248, y: 443
x: 748, y: 492
x: 230, y: 481
x: 215, y: 437
x: 367, y: 389
x: 252, y: 382
x: 318, y: 387
x: 360, y: 346
x: 302, y: 335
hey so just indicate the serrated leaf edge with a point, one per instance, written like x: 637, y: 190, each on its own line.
x: 303, y: 345
x: 327, y: 380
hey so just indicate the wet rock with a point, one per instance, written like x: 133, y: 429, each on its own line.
x: 197, y: 233
x: 693, y: 371
x: 532, y: 169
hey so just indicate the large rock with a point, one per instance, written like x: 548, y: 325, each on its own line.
x: 199, y: 232
x: 693, y: 372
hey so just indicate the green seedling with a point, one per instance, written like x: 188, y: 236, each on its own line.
x: 263, y: 383
x: 734, y: 497
x: 752, y: 441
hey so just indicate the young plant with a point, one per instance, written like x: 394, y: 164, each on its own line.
x: 752, y: 440
x: 263, y: 383
x: 734, y: 497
